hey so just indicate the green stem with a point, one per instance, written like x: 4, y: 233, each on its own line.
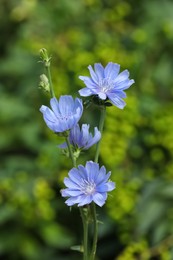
x: 82, y: 213
x: 85, y: 230
x: 50, y: 81
x: 101, y: 124
x: 94, y: 214
x: 70, y: 151
x: 94, y: 247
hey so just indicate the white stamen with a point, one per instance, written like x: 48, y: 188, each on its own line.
x: 105, y: 84
x: 87, y: 187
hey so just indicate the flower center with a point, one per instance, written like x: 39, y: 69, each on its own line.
x: 105, y: 84
x: 88, y: 187
x: 65, y: 117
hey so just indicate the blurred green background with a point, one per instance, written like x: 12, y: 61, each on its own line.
x: 137, y: 144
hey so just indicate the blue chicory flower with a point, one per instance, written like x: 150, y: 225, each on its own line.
x: 107, y: 83
x: 64, y: 115
x: 87, y: 184
x: 82, y: 139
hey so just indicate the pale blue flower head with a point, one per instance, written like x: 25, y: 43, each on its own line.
x: 87, y: 184
x: 107, y: 83
x: 64, y: 114
x: 82, y: 139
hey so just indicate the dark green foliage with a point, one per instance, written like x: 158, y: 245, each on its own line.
x: 137, y: 145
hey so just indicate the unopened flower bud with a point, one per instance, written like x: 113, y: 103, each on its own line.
x: 44, y: 57
x: 44, y: 83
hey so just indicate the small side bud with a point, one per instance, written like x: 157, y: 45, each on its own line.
x: 44, y: 83
x: 76, y: 153
x: 77, y: 248
x: 44, y: 57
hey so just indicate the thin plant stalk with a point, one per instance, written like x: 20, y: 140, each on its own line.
x: 50, y: 81
x: 85, y: 230
x: 46, y: 61
x: 93, y: 208
x: 95, y: 222
x: 101, y: 124
x: 70, y: 151
x: 84, y: 215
